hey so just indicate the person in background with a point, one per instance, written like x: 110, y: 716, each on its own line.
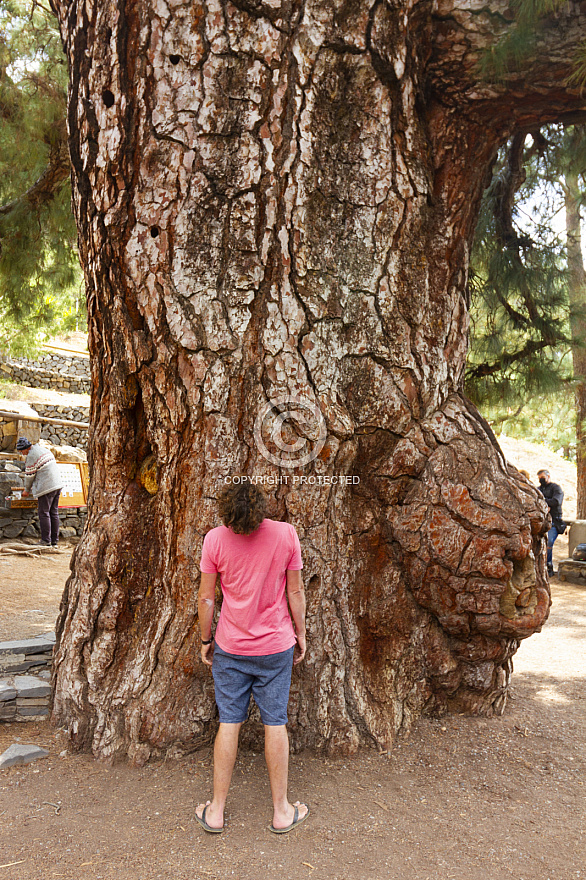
x: 42, y: 479
x: 554, y: 496
x: 258, y: 639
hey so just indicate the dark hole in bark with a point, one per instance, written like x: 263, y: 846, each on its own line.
x: 313, y: 582
x: 138, y: 422
x: 108, y: 98
x: 108, y: 34
x: 174, y: 59
x: 154, y: 231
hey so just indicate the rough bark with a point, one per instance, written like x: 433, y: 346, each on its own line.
x: 276, y: 200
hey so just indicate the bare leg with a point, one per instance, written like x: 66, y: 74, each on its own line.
x: 225, y: 750
x: 277, y: 758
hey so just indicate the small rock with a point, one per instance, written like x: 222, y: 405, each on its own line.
x: 21, y: 754
x: 13, y: 531
x: 23, y: 703
x: 37, y: 645
x: 27, y: 713
x: 11, y: 661
x: 7, y: 692
x: 8, y: 711
x: 31, y: 687
x: 67, y: 533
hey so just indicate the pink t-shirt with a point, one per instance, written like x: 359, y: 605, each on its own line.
x: 255, y: 618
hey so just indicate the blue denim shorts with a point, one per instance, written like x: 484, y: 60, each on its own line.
x: 267, y: 677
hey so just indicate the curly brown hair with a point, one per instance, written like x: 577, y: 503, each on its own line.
x: 242, y: 507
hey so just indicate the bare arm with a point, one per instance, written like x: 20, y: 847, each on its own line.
x: 296, y: 597
x: 205, y: 608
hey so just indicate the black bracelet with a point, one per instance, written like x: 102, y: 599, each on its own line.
x: 207, y: 641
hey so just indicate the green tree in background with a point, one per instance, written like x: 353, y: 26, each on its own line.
x: 40, y: 278
x: 520, y: 331
x: 574, y: 191
x: 527, y: 363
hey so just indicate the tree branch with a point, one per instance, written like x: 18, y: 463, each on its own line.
x: 37, y: 3
x: 505, y: 188
x: 46, y: 187
x: 532, y: 347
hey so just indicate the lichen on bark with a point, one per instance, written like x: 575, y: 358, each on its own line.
x: 276, y: 202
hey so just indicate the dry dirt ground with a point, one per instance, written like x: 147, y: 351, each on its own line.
x: 459, y: 799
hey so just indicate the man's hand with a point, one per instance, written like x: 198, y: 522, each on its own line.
x: 25, y: 492
x: 207, y: 653
x: 299, y: 652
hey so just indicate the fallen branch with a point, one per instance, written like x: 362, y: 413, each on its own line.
x: 20, y: 549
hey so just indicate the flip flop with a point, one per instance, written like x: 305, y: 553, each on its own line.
x: 202, y: 821
x: 296, y: 821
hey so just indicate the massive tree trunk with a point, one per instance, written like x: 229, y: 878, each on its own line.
x: 577, y: 287
x: 275, y: 202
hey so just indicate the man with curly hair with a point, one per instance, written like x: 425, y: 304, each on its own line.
x: 256, y: 642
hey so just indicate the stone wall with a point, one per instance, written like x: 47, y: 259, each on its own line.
x: 24, y: 522
x: 70, y: 374
x: 70, y: 365
x: 27, y: 656
x: 24, y: 696
x: 62, y: 435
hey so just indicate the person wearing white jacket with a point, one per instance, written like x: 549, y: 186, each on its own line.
x: 42, y: 478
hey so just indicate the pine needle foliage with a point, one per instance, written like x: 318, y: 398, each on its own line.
x: 520, y: 333
x: 578, y: 77
x: 40, y: 277
x: 521, y: 39
x: 545, y: 418
x: 524, y: 310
